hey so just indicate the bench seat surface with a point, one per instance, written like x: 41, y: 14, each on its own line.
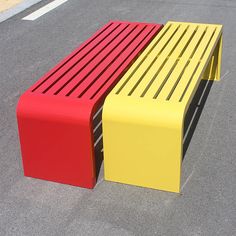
x: 91, y: 70
x: 171, y: 65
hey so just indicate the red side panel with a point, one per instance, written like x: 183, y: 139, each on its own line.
x: 56, y: 142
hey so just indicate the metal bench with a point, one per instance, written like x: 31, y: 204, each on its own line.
x: 143, y: 116
x: 55, y: 115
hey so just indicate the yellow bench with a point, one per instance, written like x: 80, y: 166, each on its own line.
x: 143, y: 116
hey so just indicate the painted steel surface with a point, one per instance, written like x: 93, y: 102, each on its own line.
x: 143, y: 115
x: 55, y: 115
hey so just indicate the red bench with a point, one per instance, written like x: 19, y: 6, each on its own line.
x: 55, y: 115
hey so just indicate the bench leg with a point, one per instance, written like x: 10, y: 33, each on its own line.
x: 56, y: 140
x: 213, y: 69
x: 143, y: 144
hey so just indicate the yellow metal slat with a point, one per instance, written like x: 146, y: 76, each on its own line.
x: 204, y: 61
x: 158, y: 64
x: 135, y: 66
x: 182, y: 63
x: 166, y: 70
x: 160, y: 45
x: 193, y: 64
x: 157, y: 86
x: 166, y: 60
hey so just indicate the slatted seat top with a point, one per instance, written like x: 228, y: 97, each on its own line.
x: 89, y: 71
x: 171, y: 65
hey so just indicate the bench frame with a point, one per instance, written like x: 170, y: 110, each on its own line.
x: 143, y: 141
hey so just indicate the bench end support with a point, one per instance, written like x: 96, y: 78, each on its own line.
x: 143, y: 143
x: 213, y: 69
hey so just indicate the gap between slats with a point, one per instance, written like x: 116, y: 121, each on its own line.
x: 134, y: 38
x: 84, y: 46
x: 181, y: 98
x: 83, y: 67
x: 140, y: 63
x: 104, y: 58
x: 106, y: 81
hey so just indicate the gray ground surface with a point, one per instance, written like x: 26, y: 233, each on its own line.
x: 207, y: 205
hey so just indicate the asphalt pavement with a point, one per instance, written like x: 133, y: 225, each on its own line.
x: 207, y: 204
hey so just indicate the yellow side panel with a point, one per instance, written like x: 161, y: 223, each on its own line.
x: 142, y: 143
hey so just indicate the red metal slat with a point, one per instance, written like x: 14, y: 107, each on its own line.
x: 71, y: 56
x: 71, y: 68
x: 98, y: 73
x: 112, y: 74
x: 87, y: 61
x: 85, y: 73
